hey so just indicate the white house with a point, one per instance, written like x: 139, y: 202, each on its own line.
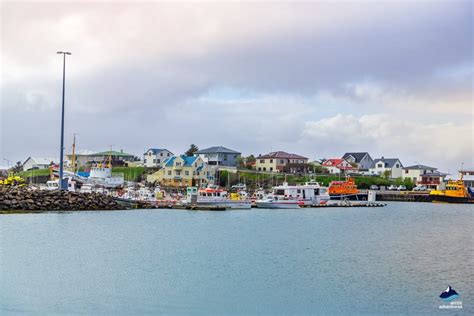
x: 424, y: 175
x: 362, y: 160
x: 38, y: 163
x: 154, y: 157
x: 392, y: 165
x: 338, y: 165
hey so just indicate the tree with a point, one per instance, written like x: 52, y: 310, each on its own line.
x: 17, y: 168
x: 386, y: 174
x: 240, y: 162
x: 192, y: 150
x: 250, y: 161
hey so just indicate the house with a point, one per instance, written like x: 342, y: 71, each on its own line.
x: 391, y: 166
x: 119, y: 158
x: 280, y: 161
x: 424, y: 175
x: 362, y: 160
x: 219, y: 156
x: 337, y: 165
x: 183, y: 171
x: 38, y: 163
x: 153, y: 157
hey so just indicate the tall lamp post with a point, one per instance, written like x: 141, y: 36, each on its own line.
x: 62, y: 185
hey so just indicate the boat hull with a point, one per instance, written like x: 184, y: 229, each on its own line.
x: 451, y: 199
x: 277, y: 205
x: 351, y: 197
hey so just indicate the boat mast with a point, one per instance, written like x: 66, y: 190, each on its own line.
x: 73, y: 158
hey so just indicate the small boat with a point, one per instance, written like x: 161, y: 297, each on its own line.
x: 295, y: 196
x: 455, y: 192
x: 346, y: 190
x: 214, y: 198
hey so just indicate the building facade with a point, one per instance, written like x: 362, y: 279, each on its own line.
x: 154, y: 157
x: 280, y: 161
x: 119, y: 158
x: 219, y: 156
x: 424, y: 175
x: 362, y: 160
x: 391, y: 166
x: 182, y: 171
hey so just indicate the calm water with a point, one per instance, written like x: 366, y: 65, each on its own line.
x: 396, y: 259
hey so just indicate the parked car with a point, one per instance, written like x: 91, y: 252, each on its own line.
x: 402, y: 188
x: 239, y: 186
x: 374, y: 187
x: 420, y: 188
x: 392, y: 187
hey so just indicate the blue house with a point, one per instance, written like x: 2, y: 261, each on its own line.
x: 219, y: 156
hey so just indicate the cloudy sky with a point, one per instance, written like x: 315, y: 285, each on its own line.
x: 315, y: 78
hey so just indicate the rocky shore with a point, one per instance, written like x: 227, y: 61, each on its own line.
x: 24, y: 199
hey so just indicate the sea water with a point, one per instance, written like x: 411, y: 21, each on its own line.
x: 396, y: 259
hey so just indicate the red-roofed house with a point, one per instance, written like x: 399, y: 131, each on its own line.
x: 338, y: 165
x: 280, y: 161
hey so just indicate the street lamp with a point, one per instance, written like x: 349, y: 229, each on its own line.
x: 61, y: 171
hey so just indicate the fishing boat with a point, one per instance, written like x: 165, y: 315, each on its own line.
x: 455, y: 192
x: 214, y: 198
x: 345, y: 190
x: 295, y: 196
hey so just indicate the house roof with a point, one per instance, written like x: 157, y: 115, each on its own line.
x: 335, y: 162
x: 41, y: 160
x: 390, y: 162
x: 112, y: 153
x: 156, y: 150
x: 357, y: 156
x: 217, y: 149
x: 281, y: 154
x: 420, y: 167
x: 188, y: 160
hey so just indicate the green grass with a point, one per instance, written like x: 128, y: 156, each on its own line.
x: 130, y: 173
x: 33, y: 173
x: 253, y: 180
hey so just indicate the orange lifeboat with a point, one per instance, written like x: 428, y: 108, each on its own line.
x: 343, y: 187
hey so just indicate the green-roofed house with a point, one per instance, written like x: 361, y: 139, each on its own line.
x: 119, y: 158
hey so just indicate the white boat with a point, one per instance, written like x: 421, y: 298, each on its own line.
x: 102, y: 176
x: 215, y: 198
x: 295, y: 196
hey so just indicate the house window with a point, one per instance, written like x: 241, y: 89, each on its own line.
x: 406, y: 171
x: 264, y: 169
x: 259, y: 169
x: 154, y: 160
x: 144, y: 160
x: 380, y: 165
x: 149, y: 153
x: 158, y: 160
x: 271, y: 168
x: 161, y: 154
x: 262, y: 161
x: 225, y: 157
x: 186, y: 173
x: 397, y: 166
x: 177, y: 172
x: 282, y: 161
x: 198, y: 173
x: 271, y: 160
x: 168, y: 154
x: 169, y: 172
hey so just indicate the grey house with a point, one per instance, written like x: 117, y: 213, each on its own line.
x: 219, y: 156
x: 362, y: 160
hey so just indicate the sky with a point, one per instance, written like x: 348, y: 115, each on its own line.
x: 394, y: 78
